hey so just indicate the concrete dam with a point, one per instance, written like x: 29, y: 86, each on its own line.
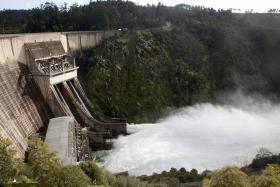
x: 38, y: 81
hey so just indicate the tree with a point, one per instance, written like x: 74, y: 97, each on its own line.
x: 263, y: 152
x: 40, y: 160
x: 68, y: 176
x: 7, y: 162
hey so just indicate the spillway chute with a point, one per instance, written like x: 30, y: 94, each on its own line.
x: 55, y: 72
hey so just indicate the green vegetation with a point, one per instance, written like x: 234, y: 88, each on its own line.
x: 189, y: 55
x: 182, y: 175
x: 8, y: 168
x: 96, y: 174
x: 97, y: 15
x: 234, y: 177
x: 40, y: 168
x: 140, y: 74
x: 43, y: 168
x: 229, y: 177
x: 71, y: 176
x: 40, y: 161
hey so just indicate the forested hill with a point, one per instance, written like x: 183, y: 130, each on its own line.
x: 170, y: 56
x: 115, y: 14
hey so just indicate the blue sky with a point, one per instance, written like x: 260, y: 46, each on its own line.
x: 257, y: 5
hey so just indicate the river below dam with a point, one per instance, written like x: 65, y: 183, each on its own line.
x: 204, y: 136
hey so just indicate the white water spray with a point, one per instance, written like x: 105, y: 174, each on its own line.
x: 204, y: 136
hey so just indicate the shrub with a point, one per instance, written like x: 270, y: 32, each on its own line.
x: 269, y: 178
x: 110, y: 178
x: 124, y: 181
x: 206, y: 183
x: 265, y: 181
x: 68, y: 176
x: 40, y: 160
x: 230, y: 176
x: 272, y: 170
x: 7, y: 163
x: 96, y: 174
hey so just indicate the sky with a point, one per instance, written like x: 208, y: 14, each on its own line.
x: 256, y: 5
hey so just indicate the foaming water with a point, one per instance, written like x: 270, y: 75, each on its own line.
x: 204, y: 136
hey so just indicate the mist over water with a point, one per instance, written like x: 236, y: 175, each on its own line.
x: 204, y: 136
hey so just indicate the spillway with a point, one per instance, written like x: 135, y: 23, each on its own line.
x: 73, y: 103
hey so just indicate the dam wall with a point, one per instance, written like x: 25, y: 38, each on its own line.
x: 22, y: 112
x: 86, y: 39
x: 12, y: 45
x: 23, y: 109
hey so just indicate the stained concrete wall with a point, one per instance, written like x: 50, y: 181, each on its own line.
x: 12, y: 45
x: 87, y: 39
x: 61, y: 139
x: 22, y: 112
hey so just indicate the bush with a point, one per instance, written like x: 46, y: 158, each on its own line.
x: 182, y: 175
x: 230, y: 176
x: 130, y: 182
x: 272, y: 170
x: 269, y: 178
x: 40, y: 160
x: 68, y: 176
x: 265, y: 181
x: 96, y: 174
x: 110, y: 178
x: 206, y: 183
x: 7, y: 162
x: 172, y: 182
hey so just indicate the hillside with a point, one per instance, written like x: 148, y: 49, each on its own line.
x: 202, y: 53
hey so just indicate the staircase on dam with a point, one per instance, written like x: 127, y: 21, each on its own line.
x: 55, y: 73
